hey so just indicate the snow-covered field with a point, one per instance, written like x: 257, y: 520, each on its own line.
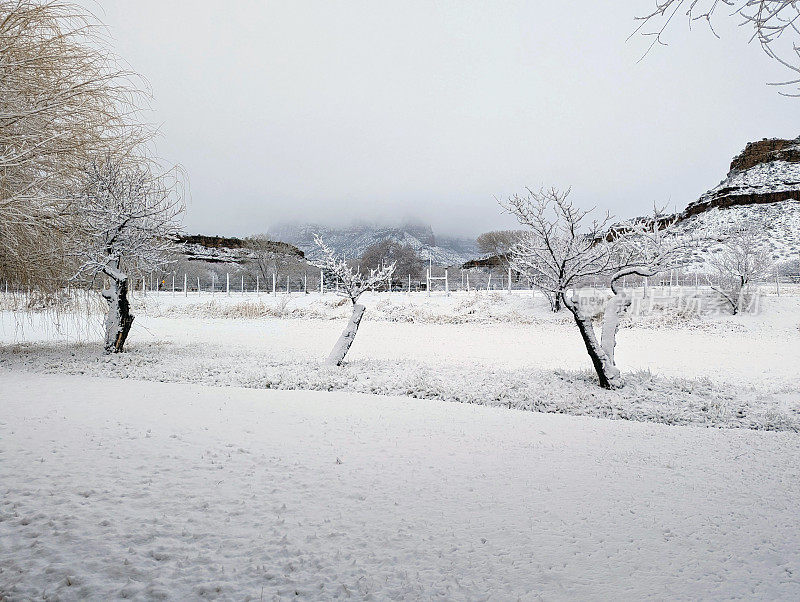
x: 214, y: 484
x: 487, y: 348
x: 123, y: 488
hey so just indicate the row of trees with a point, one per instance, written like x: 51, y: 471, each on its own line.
x: 80, y: 193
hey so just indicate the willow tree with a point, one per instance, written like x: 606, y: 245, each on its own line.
x: 63, y: 100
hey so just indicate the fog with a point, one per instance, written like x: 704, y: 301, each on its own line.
x: 329, y: 112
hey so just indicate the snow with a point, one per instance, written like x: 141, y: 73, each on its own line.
x: 122, y: 488
x: 763, y: 178
x: 490, y: 349
x: 780, y: 224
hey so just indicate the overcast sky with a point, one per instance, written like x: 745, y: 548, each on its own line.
x: 334, y: 111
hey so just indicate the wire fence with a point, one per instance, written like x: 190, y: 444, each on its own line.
x: 200, y: 278
x: 232, y: 281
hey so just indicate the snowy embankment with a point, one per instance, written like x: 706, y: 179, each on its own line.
x: 718, y: 371
x: 116, y: 488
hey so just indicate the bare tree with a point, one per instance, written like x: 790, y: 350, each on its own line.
x: 352, y: 285
x: 127, y: 218
x: 270, y: 257
x: 736, y: 263
x: 559, y: 251
x: 563, y: 248
x: 62, y: 99
x: 773, y: 22
x: 390, y: 251
x: 559, y: 248
x: 498, y: 243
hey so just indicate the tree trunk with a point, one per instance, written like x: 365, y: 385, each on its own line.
x: 615, y: 309
x: 346, y: 339
x: 607, y: 373
x: 119, y: 318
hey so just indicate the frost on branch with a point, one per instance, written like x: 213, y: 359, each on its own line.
x: 773, y: 23
x: 558, y: 249
x: 351, y: 284
x: 643, y: 247
x: 128, y: 222
x: 736, y: 262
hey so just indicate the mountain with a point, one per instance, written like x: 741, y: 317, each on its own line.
x: 351, y: 241
x: 762, y: 188
x: 222, y: 249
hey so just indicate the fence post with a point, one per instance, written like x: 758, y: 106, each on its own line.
x: 198, y: 286
x: 287, y: 284
x: 144, y: 286
x: 185, y: 288
x: 509, y: 279
x: 321, y: 282
x: 173, y: 285
x: 227, y: 283
x: 446, y: 284
x: 257, y: 283
x: 305, y: 283
x: 273, y: 283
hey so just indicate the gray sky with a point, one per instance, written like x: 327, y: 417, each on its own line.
x: 333, y: 111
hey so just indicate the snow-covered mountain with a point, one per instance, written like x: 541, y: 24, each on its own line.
x: 762, y: 188
x: 351, y: 241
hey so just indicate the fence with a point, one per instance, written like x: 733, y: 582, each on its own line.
x: 214, y: 279
x: 438, y: 280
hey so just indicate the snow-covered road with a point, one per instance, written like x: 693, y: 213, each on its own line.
x: 114, y: 488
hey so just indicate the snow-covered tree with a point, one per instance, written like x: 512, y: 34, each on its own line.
x: 352, y: 284
x: 558, y: 249
x: 62, y: 99
x: 643, y: 247
x: 563, y: 248
x: 736, y: 262
x: 128, y: 221
x: 774, y: 25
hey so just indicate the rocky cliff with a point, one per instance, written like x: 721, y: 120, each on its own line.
x: 765, y: 172
x: 222, y: 249
x: 762, y: 188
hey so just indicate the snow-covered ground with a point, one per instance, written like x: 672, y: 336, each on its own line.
x: 122, y: 488
x: 491, y: 348
x: 214, y: 484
